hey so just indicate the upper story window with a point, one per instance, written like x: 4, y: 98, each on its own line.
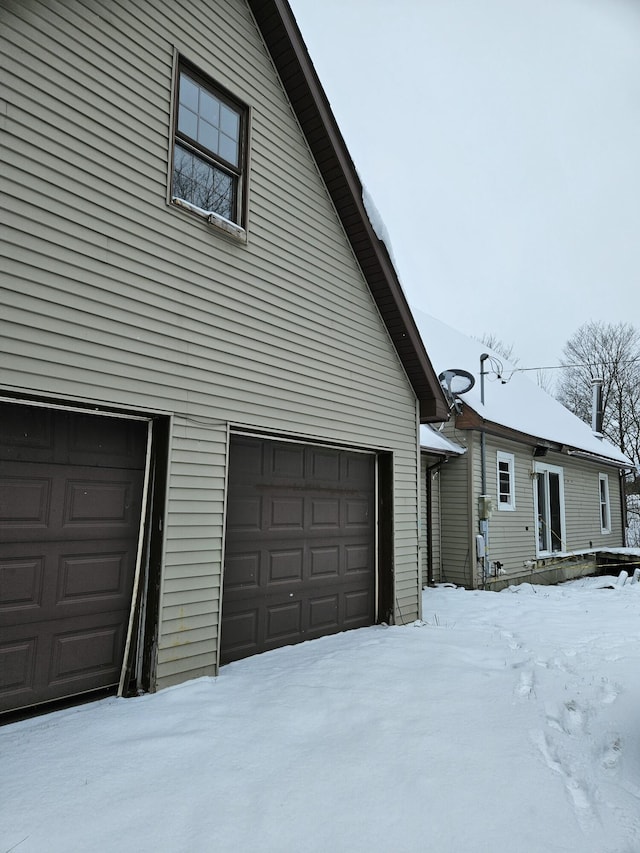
x: 605, y: 506
x: 506, y: 481
x: 209, y: 168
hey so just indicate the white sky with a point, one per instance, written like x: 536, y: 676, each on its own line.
x: 500, y: 142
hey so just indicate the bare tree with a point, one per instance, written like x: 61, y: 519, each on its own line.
x: 494, y: 343
x: 611, y: 352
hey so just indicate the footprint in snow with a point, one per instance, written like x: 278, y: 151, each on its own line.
x: 513, y: 644
x: 525, y: 684
x: 612, y: 752
x: 572, y: 718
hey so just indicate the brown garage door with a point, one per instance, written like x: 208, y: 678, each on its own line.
x: 70, y: 496
x: 300, y: 545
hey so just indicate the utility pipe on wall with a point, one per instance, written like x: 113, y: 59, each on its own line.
x: 484, y: 523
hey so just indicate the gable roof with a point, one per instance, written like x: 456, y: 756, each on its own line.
x: 512, y: 403
x: 284, y: 42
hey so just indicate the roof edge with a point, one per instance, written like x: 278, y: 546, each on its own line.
x: 290, y: 56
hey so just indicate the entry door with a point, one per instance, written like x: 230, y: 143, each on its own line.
x: 549, y: 501
x: 70, y: 505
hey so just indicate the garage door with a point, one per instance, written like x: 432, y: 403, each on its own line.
x: 300, y: 545
x: 70, y: 498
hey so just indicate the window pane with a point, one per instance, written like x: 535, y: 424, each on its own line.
x: 209, y: 108
x: 554, y: 505
x: 229, y: 122
x: 187, y: 122
x: 228, y: 149
x: 200, y: 183
x: 208, y: 135
x: 189, y: 93
x: 542, y: 513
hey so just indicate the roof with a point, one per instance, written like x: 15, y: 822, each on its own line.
x: 311, y: 106
x: 434, y: 442
x: 512, y: 402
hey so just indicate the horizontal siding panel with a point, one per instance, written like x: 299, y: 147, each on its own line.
x: 186, y: 650
x: 181, y: 636
x: 194, y: 612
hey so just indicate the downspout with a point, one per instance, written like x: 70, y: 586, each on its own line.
x: 623, y: 506
x: 484, y: 522
x: 436, y: 466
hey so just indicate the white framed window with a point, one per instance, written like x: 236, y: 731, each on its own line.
x: 548, y: 499
x: 605, y: 506
x: 505, y: 475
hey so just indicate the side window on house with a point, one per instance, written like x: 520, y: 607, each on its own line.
x: 605, y: 506
x: 549, y: 507
x: 506, y: 481
x: 209, y: 168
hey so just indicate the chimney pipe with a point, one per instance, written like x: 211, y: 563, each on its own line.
x: 596, y: 407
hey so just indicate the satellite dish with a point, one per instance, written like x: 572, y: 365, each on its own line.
x: 456, y: 382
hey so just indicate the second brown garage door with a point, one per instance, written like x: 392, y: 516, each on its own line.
x: 300, y: 545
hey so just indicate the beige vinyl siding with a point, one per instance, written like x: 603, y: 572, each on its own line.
x: 582, y: 503
x: 512, y: 533
x: 458, y: 556
x: 112, y: 296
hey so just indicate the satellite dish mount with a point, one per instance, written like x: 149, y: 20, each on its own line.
x: 455, y: 382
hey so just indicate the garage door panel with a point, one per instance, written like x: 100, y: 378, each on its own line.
x: 324, y: 561
x: 17, y: 668
x: 27, y: 432
x: 283, y: 623
x: 357, y: 605
x: 21, y: 581
x: 324, y: 613
x: 244, y: 513
x: 285, y: 566
x: 242, y: 571
x: 325, y: 513
x: 24, y: 501
x: 285, y: 513
x: 286, y: 461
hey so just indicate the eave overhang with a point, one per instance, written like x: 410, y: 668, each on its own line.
x: 471, y: 420
x: 285, y: 44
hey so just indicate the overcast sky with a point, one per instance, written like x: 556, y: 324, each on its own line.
x: 500, y: 141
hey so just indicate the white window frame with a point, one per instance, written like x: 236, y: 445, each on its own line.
x: 542, y: 470
x: 604, y: 503
x: 509, y: 460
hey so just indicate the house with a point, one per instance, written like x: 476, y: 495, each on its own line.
x: 211, y: 382
x: 534, y: 496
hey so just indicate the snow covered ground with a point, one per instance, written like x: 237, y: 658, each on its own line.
x: 505, y: 722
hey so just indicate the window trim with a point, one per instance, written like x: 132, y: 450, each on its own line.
x: 235, y: 228
x: 509, y: 459
x: 604, y: 505
x: 544, y: 469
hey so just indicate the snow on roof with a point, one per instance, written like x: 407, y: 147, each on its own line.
x: 514, y: 402
x: 377, y: 223
x: 431, y: 439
